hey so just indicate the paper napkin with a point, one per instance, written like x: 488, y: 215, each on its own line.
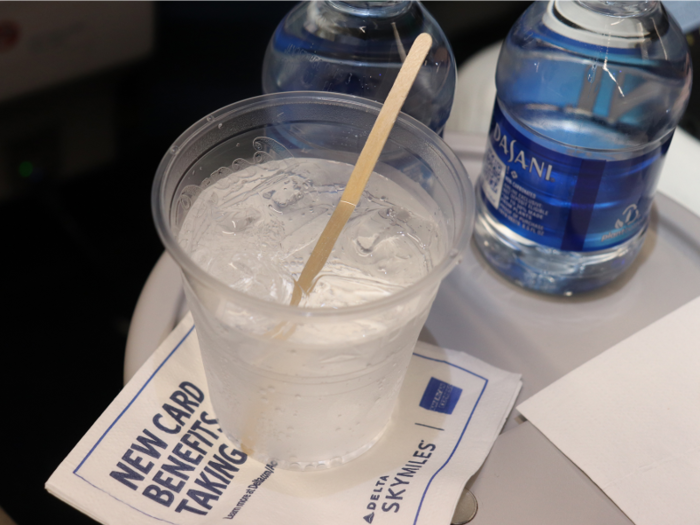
x: 629, y: 419
x: 147, y: 461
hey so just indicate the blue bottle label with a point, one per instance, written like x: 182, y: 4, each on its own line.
x: 563, y: 201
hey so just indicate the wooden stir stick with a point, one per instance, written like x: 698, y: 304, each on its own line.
x: 364, y: 167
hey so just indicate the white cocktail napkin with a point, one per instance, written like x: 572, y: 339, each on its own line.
x: 629, y: 419
x: 156, y: 455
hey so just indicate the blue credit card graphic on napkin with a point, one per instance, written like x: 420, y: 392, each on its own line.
x: 440, y: 396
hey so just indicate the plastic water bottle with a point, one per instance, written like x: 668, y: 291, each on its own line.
x: 588, y: 96
x: 358, y: 48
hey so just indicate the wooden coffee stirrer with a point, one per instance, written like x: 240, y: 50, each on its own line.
x: 364, y: 167
x: 360, y: 174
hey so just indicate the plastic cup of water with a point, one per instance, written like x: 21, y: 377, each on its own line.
x: 324, y: 392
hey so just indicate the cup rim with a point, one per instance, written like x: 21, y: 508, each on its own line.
x: 287, y: 312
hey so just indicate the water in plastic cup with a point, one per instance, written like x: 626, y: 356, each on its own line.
x: 240, y: 200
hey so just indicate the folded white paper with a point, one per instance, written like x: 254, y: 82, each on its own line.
x: 157, y: 455
x: 629, y: 420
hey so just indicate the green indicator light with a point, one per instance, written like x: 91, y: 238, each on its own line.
x: 25, y: 169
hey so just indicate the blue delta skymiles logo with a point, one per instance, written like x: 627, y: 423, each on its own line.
x: 440, y: 396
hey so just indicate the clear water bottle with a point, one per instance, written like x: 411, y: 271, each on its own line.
x: 588, y: 96
x: 358, y: 48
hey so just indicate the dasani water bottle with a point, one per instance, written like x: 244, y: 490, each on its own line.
x: 588, y: 96
x: 358, y: 47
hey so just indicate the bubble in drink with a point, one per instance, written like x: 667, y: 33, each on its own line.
x: 254, y: 230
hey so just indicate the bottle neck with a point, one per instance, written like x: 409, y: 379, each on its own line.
x: 378, y: 9
x: 620, y: 9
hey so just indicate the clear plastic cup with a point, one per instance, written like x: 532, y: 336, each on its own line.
x: 307, y: 402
